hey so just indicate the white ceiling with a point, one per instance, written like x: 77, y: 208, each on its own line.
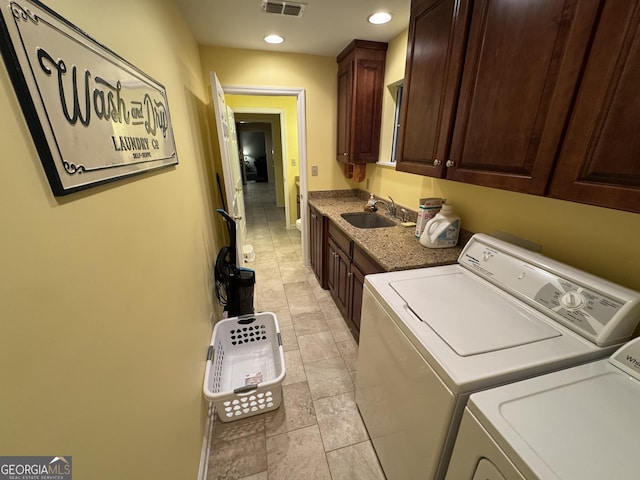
x: 326, y: 27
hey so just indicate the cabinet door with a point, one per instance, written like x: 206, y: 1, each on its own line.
x: 368, y: 102
x: 357, y: 287
x: 316, y: 245
x: 434, y: 58
x: 599, y: 162
x: 345, y: 79
x: 361, y: 265
x: 338, y: 277
x: 520, y: 71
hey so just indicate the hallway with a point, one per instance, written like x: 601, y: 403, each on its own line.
x: 317, y: 432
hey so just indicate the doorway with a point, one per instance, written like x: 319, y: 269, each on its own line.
x: 295, y: 188
x: 253, y: 139
x: 266, y: 132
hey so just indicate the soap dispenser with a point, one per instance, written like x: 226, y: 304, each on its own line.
x: 371, y: 204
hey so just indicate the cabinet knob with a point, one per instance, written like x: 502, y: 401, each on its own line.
x: 345, y: 154
x: 437, y: 163
x: 450, y: 163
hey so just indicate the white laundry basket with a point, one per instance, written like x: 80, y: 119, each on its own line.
x: 245, y: 366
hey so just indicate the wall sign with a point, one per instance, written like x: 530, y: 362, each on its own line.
x: 94, y: 117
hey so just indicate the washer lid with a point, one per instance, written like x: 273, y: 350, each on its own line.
x: 469, y: 316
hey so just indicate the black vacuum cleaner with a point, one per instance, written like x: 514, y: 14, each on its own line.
x: 234, y: 284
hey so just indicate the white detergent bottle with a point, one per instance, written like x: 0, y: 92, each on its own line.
x: 442, y: 230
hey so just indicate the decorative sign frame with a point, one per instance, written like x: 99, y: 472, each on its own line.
x: 94, y: 117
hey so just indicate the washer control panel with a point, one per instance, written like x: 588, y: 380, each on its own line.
x: 593, y: 307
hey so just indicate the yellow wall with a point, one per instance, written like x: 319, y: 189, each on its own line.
x: 393, y: 72
x: 289, y: 105
x: 105, y: 295
x: 599, y: 240
x: 316, y: 74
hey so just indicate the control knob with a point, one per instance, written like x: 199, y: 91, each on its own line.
x: 573, y: 300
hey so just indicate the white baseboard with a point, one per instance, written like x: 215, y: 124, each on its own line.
x: 206, y: 444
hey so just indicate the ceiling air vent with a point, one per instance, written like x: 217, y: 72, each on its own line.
x: 290, y: 9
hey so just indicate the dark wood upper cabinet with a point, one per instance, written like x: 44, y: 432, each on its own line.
x: 534, y: 97
x: 437, y: 32
x: 521, y: 68
x: 360, y: 89
x: 498, y: 77
x: 599, y: 162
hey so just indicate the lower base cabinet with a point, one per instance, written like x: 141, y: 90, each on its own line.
x: 347, y: 265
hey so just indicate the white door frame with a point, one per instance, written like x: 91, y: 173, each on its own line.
x: 300, y: 94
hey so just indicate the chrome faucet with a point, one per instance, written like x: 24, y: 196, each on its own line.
x: 391, y: 208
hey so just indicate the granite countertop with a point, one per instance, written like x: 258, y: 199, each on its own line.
x: 394, y: 248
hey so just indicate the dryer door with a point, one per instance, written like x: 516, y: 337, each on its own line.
x: 476, y: 456
x: 487, y: 471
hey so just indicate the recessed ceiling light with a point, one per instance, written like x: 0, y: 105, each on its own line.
x: 379, y: 18
x: 273, y: 39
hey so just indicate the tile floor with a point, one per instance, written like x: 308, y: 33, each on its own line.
x: 317, y: 432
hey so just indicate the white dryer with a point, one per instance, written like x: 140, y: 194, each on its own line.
x: 431, y: 337
x: 581, y: 423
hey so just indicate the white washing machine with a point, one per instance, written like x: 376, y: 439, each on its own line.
x: 431, y: 337
x: 581, y: 423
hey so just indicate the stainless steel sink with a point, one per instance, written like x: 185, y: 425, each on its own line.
x: 367, y: 220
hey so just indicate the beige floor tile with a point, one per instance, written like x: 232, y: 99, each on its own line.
x: 293, y: 273
x: 228, y: 459
x: 289, y: 338
x: 318, y: 292
x: 297, y: 455
x: 304, y: 304
x: 349, y: 353
x: 296, y: 410
x: 328, y: 377
x: 265, y: 273
x: 339, y: 421
x: 262, y: 247
x: 271, y: 300
x: 265, y: 254
x: 285, y: 254
x: 282, y: 243
x: 283, y: 316
x: 355, y: 462
x: 270, y: 286
x: 339, y: 329
x: 329, y: 309
x: 293, y: 262
x: 317, y: 346
x: 294, y: 369
x: 298, y: 289
x: 257, y: 476
x: 308, y: 323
